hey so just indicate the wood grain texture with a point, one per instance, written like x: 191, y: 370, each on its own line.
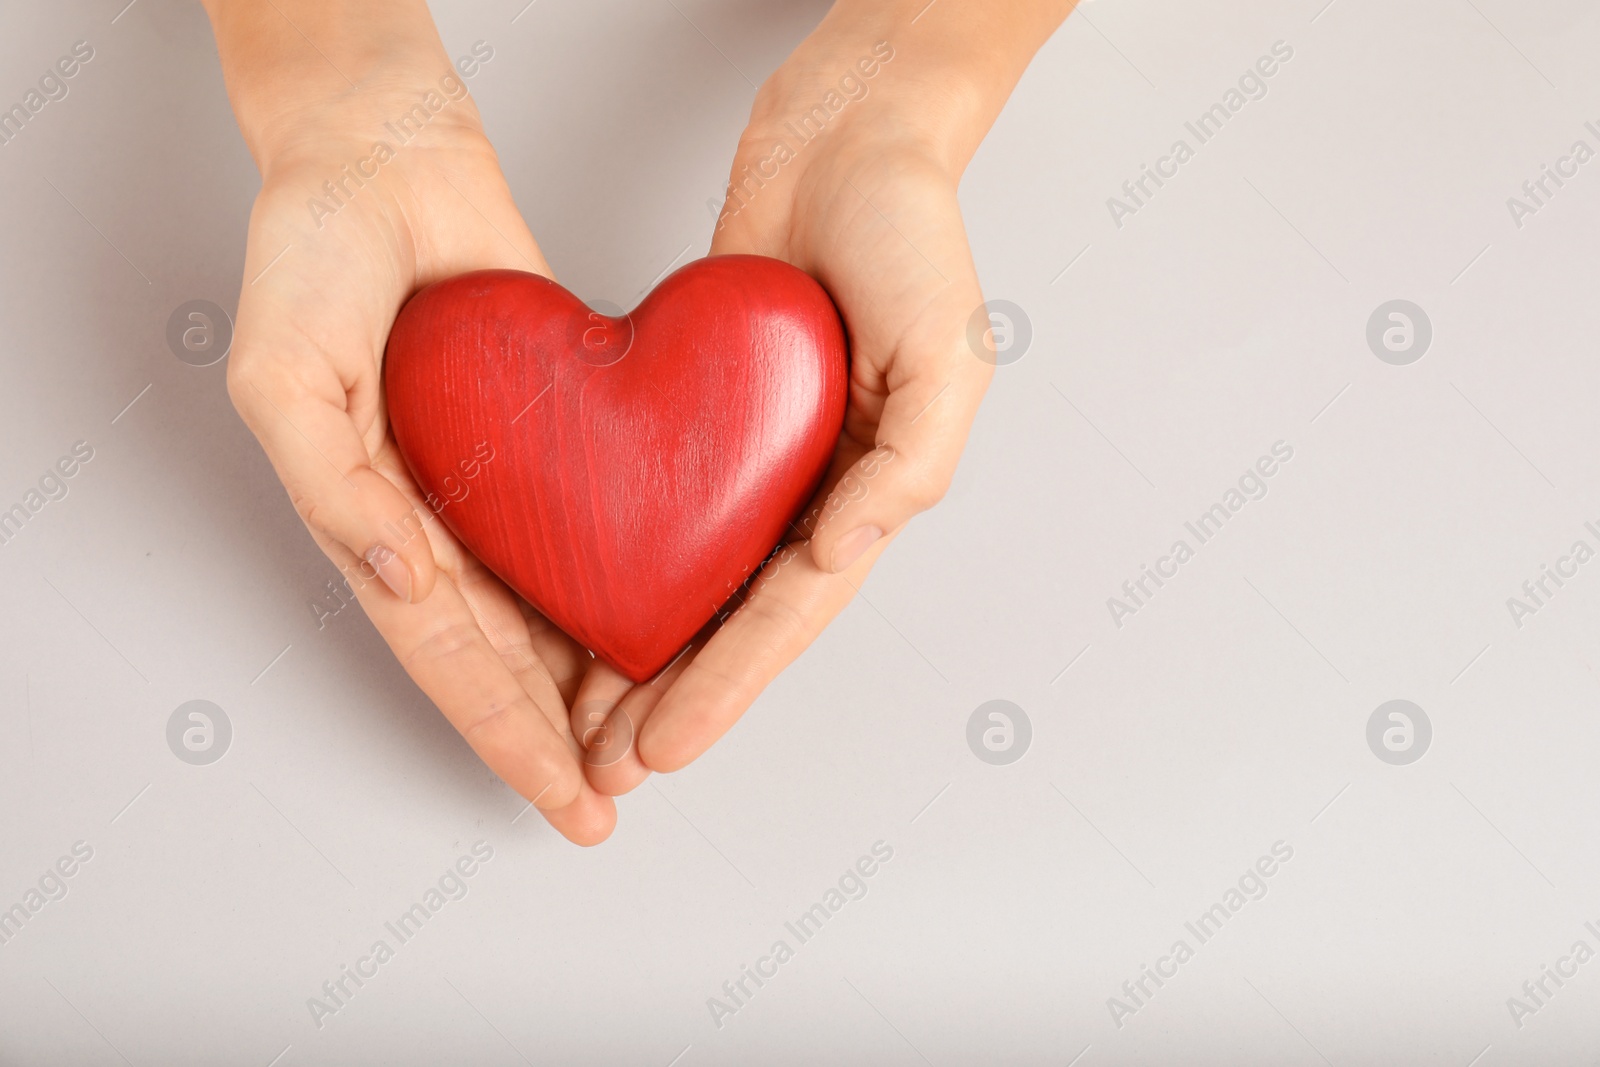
x: 627, y: 474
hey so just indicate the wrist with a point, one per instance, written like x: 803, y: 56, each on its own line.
x: 415, y: 113
x: 308, y: 73
x: 930, y: 78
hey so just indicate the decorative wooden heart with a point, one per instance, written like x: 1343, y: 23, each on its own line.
x: 624, y: 475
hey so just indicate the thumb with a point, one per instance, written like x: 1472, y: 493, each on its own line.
x: 929, y: 395
x: 361, y: 519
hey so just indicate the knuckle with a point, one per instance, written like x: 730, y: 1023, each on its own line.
x: 560, y: 788
x: 492, y: 717
x: 445, y: 643
x: 243, y: 377
x: 264, y: 374
x: 257, y: 384
x: 786, y: 620
x: 925, y: 489
x: 309, y: 508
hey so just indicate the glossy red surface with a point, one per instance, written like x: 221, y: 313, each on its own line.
x: 624, y: 475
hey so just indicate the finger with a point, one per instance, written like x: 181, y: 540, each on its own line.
x: 611, y: 762
x: 602, y: 688
x: 301, y: 421
x: 588, y: 820
x: 567, y: 660
x: 442, y: 647
x: 495, y: 609
x: 504, y: 242
x: 785, y: 608
x: 547, y: 662
x: 918, y: 416
x: 917, y: 370
x: 511, y: 627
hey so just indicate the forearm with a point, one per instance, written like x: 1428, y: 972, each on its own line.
x: 293, y: 67
x: 955, y: 63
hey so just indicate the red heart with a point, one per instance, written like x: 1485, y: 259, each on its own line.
x: 623, y: 475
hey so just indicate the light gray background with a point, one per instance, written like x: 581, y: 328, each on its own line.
x: 1229, y: 714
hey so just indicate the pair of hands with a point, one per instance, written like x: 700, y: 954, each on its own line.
x: 868, y: 207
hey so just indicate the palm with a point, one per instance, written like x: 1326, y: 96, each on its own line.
x: 882, y: 232
x: 307, y: 373
x: 884, y: 236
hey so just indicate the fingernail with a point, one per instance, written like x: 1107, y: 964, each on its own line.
x: 849, y: 548
x: 392, y: 569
